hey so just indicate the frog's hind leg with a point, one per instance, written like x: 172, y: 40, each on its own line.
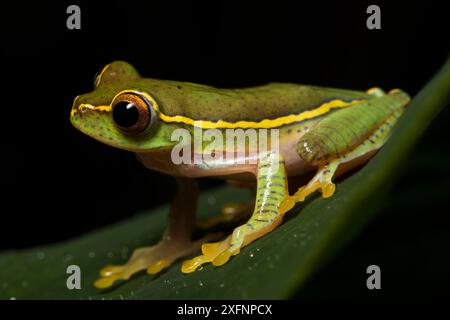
x: 327, y: 169
x: 271, y: 190
x: 176, y: 241
x: 232, y: 213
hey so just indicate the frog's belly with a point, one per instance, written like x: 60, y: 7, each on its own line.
x: 297, y: 170
x: 294, y: 165
x: 227, y: 169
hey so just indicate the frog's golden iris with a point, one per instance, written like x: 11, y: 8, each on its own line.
x: 131, y: 113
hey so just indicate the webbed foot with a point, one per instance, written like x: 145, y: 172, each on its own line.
x: 322, y: 182
x: 219, y: 253
x: 154, y: 259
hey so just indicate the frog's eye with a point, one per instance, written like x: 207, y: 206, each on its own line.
x: 131, y: 113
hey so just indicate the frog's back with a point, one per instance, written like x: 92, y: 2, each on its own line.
x: 199, y: 102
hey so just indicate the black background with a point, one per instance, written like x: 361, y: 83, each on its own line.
x: 57, y: 183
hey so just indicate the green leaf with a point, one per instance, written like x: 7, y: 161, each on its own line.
x: 272, y: 267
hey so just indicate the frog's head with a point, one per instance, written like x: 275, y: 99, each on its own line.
x: 121, y: 111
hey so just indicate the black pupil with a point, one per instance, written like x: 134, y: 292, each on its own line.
x: 125, y: 114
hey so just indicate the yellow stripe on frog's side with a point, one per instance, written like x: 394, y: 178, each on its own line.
x: 265, y: 124
x: 221, y: 124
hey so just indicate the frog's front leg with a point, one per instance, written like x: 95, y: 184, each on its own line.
x: 271, y: 190
x: 176, y: 241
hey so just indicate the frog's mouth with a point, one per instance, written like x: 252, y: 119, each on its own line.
x: 96, y: 122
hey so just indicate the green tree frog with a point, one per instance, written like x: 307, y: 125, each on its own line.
x: 321, y: 133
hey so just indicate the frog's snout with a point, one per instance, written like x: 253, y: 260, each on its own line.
x: 74, y: 108
x: 88, y: 118
x: 81, y: 110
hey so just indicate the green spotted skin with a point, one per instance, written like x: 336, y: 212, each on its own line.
x: 272, y: 188
x: 343, y: 130
x: 198, y: 101
x: 373, y: 142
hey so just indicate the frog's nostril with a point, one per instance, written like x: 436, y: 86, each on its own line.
x: 82, y: 108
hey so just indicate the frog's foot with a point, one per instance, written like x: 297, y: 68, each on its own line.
x: 219, y: 253
x: 322, y: 182
x: 231, y: 213
x: 154, y: 259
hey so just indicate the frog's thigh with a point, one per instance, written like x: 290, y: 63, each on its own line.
x: 322, y: 181
x: 344, y: 130
x: 271, y: 190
